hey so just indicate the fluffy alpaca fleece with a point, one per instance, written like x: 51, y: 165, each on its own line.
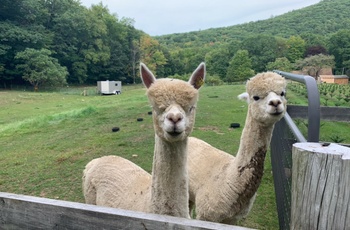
x: 116, y: 182
x: 223, y: 187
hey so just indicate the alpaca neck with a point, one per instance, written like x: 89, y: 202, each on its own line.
x: 255, y: 140
x: 169, y: 193
x: 249, y: 162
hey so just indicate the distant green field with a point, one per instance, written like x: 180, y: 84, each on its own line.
x: 47, y: 138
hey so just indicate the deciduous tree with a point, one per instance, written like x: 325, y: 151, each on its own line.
x: 262, y: 50
x: 240, y: 67
x: 313, y: 64
x: 339, y: 46
x: 282, y: 64
x: 296, y: 48
x: 217, y: 61
x: 39, y: 68
x: 151, y: 53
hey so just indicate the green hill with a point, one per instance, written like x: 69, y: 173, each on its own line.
x: 323, y: 18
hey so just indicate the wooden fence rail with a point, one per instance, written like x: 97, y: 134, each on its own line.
x: 27, y: 212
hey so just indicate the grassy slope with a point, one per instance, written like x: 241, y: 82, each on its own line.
x: 46, y: 139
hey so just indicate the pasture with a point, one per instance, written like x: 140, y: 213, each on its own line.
x: 46, y: 138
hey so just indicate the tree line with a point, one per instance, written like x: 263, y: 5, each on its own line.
x: 239, y: 60
x: 62, y: 42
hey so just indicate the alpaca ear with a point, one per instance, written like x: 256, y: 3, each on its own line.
x: 244, y: 97
x: 146, y: 75
x: 198, y: 76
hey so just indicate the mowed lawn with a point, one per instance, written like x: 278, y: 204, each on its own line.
x: 47, y: 138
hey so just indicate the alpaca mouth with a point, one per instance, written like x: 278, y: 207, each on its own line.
x: 174, y: 133
x: 276, y: 113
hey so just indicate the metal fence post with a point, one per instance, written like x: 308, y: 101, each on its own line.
x: 285, y: 134
x: 313, y: 103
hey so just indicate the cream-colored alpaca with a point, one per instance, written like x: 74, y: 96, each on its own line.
x: 116, y: 182
x: 223, y: 187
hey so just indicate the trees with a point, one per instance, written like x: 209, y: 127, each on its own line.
x: 94, y: 44
x: 10, y: 9
x: 90, y: 42
x: 296, y: 48
x: 15, y: 38
x: 82, y: 42
x: 314, y: 43
x: 314, y: 50
x: 262, y: 50
x: 282, y: 64
x: 240, y: 67
x: 339, y: 46
x: 313, y: 64
x: 39, y: 68
x: 151, y: 53
x: 218, y: 59
x: 312, y: 39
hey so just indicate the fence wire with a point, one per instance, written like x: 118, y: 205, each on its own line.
x: 282, y: 141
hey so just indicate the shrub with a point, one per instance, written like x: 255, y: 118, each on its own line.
x: 213, y: 80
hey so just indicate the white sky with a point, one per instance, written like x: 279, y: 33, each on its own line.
x: 160, y: 17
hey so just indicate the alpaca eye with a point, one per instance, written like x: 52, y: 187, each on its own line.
x: 256, y: 98
x: 283, y: 94
x: 192, y: 108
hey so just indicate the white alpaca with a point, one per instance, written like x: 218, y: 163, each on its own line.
x: 116, y: 182
x: 223, y: 187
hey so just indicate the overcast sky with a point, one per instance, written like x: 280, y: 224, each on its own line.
x: 160, y: 17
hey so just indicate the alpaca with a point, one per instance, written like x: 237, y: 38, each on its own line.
x: 223, y: 187
x: 116, y: 182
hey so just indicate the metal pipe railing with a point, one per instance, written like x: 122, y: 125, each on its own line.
x: 294, y: 129
x: 313, y: 103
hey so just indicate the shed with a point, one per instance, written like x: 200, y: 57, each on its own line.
x: 109, y: 87
x: 336, y: 79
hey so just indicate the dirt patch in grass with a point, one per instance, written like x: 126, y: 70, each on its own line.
x: 211, y: 128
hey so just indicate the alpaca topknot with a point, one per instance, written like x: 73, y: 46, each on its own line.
x: 166, y: 91
x: 266, y: 82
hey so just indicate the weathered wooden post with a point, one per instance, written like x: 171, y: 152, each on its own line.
x: 320, y: 186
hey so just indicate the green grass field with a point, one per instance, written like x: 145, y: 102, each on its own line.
x: 47, y: 138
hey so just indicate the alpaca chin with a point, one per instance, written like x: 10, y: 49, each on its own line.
x: 277, y: 113
x: 174, y: 136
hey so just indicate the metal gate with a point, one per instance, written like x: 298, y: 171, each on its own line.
x: 285, y: 134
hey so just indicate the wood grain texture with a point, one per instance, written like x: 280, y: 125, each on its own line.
x: 320, y: 186
x: 27, y: 212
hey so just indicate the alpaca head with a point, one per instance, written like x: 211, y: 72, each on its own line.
x: 173, y: 102
x: 266, y: 97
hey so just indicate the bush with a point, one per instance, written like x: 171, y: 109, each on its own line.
x: 213, y: 80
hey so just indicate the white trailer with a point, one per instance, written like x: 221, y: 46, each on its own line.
x: 109, y: 87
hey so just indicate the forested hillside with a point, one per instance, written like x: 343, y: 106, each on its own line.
x: 60, y: 42
x: 284, y: 42
x: 324, y: 18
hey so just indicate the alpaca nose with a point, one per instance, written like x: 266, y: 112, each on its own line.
x: 275, y: 102
x: 174, y: 118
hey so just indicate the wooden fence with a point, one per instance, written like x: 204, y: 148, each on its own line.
x: 27, y: 212
x: 320, y: 187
